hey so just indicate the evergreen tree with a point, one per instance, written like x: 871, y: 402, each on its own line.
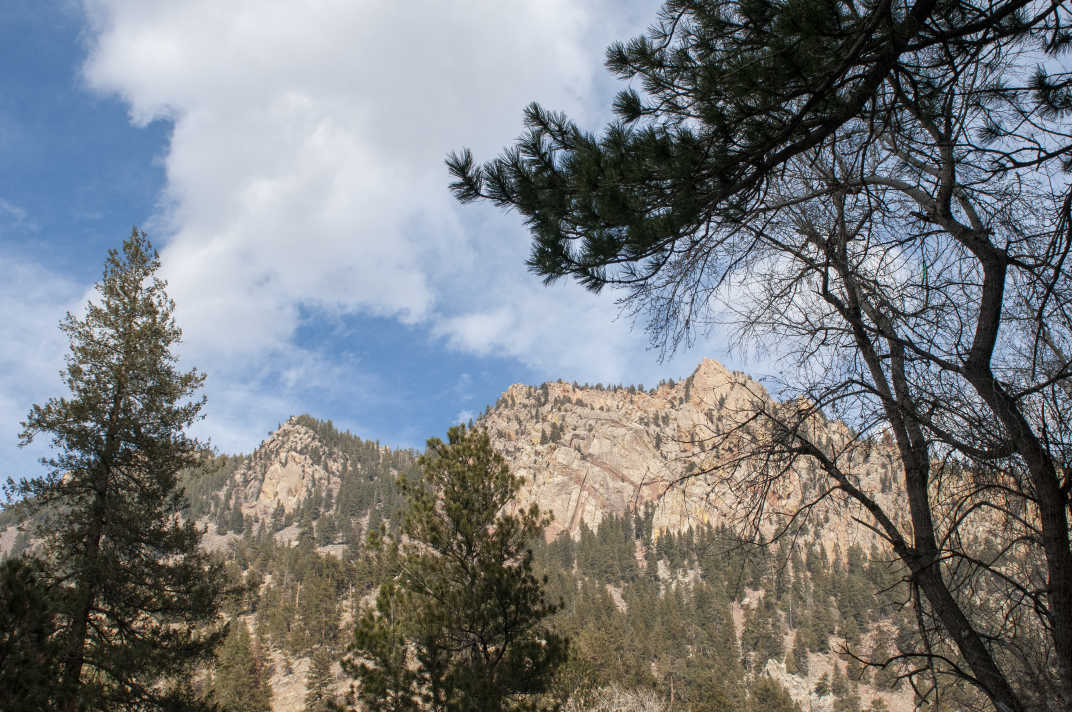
x: 241, y: 676
x: 319, y: 696
x: 278, y: 517
x: 848, y: 702
x: 459, y: 624
x: 799, y: 657
x: 29, y: 671
x: 809, y: 144
x: 135, y: 596
x: 237, y: 521
x: 319, y: 611
x: 763, y: 633
x: 326, y: 530
x: 768, y: 695
x: 839, y: 684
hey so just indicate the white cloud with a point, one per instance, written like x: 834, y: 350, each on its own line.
x: 305, y: 169
x: 306, y: 163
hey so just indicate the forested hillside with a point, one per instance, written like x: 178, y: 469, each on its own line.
x: 665, y: 604
x: 691, y: 615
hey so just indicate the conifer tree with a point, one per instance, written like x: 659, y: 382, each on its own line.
x: 770, y: 163
x: 319, y: 682
x: 459, y: 623
x: 135, y: 597
x: 797, y: 661
x: 769, y: 695
x: 28, y: 672
x: 241, y: 676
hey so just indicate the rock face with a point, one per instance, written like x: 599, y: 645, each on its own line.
x: 584, y: 452
x: 283, y: 472
x: 303, y: 458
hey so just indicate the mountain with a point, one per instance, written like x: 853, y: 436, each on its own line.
x: 304, y: 472
x: 639, y: 550
x: 585, y: 452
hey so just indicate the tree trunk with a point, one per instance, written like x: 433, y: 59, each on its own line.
x: 74, y: 655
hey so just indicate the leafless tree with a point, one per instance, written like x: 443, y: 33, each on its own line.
x: 895, y: 220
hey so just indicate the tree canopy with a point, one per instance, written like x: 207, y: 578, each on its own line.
x: 457, y: 623
x: 135, y: 599
x: 877, y: 191
x: 28, y: 674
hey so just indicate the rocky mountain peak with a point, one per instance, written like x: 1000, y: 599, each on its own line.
x: 294, y: 462
x: 281, y: 470
x: 583, y: 452
x: 588, y: 451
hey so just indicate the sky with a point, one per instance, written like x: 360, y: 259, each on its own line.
x: 286, y: 159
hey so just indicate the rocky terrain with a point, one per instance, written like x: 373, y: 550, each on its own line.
x: 583, y: 452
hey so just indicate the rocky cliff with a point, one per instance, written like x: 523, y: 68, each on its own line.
x: 585, y: 451
x: 682, y: 451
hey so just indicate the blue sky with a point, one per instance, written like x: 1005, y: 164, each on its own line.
x: 287, y: 160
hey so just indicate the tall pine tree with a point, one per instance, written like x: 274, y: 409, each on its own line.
x: 136, y: 599
x: 458, y: 626
x: 241, y: 681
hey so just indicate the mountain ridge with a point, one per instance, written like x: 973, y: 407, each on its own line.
x: 608, y: 463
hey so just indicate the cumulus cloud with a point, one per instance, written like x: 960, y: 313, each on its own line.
x: 305, y: 170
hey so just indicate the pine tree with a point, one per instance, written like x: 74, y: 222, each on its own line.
x: 459, y: 624
x: 839, y: 684
x: 326, y: 530
x: 796, y: 662
x: 822, y: 139
x: 278, y: 516
x: 763, y: 633
x: 136, y: 598
x: 236, y: 521
x: 28, y: 670
x: 241, y: 676
x: 768, y: 695
x: 319, y: 682
x: 319, y: 611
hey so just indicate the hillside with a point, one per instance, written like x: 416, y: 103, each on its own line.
x: 647, y: 568
x: 586, y: 452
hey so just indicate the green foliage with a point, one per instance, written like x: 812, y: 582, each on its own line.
x: 733, y: 92
x: 838, y: 161
x: 849, y: 702
x: 29, y: 666
x: 241, y: 675
x: 609, y: 553
x: 135, y: 598
x: 320, y: 682
x: 799, y: 656
x: 763, y: 633
x: 205, y: 479
x: 839, y: 684
x: 769, y: 695
x: 459, y: 624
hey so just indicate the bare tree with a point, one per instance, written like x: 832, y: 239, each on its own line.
x: 879, y: 190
